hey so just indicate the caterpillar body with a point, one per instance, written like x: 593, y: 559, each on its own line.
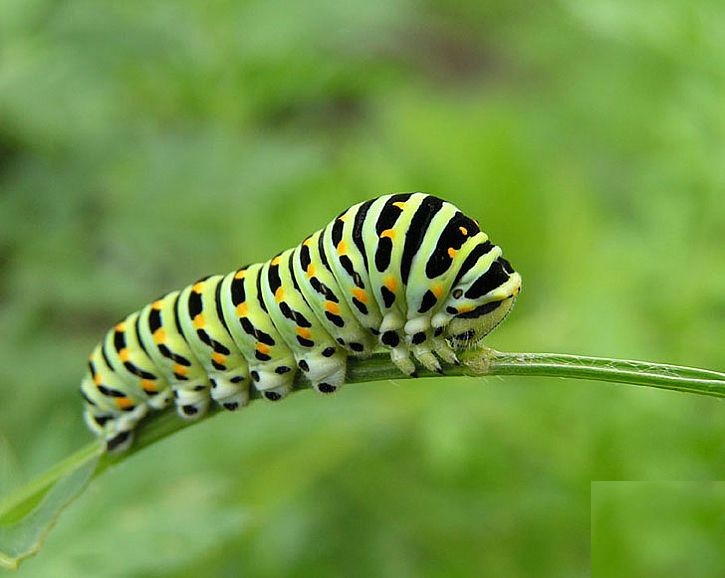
x: 406, y: 272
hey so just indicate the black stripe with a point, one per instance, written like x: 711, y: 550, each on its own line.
x: 390, y: 213
x: 137, y: 325
x: 194, y: 305
x: 450, y: 238
x: 262, y: 304
x: 321, y: 249
x: 177, y: 319
x: 494, y: 277
x: 154, y: 320
x: 478, y: 251
x: 482, y: 310
x: 119, y: 340
x: 337, y: 226
x: 218, y: 304
x: 238, y: 291
x: 357, y: 229
x: 419, y: 224
x: 104, y: 354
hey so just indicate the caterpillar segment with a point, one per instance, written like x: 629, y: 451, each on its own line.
x: 409, y: 273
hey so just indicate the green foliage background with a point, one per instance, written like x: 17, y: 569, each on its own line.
x: 144, y: 144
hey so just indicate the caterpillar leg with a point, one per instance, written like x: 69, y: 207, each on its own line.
x: 191, y: 399
x: 231, y: 392
x: 325, y: 369
x: 272, y: 382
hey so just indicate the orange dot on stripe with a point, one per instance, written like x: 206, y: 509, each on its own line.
x: 262, y: 348
x: 275, y: 261
x: 120, y: 327
x: 239, y: 274
x: 332, y: 307
x: 310, y: 270
x: 279, y: 294
x: 124, y: 354
x: 159, y: 336
x: 399, y: 204
x: 198, y: 287
x: 199, y: 321
x: 391, y: 283
x: 463, y: 230
x: 303, y: 332
x: 452, y: 252
x: 156, y: 305
x: 180, y: 369
x: 242, y: 309
x: 390, y: 233
x: 360, y: 294
x: 123, y: 402
x: 148, y: 385
x: 218, y: 357
x: 341, y: 248
x: 437, y: 290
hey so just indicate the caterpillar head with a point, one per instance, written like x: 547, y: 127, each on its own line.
x: 480, y: 300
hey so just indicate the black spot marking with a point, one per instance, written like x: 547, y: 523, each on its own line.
x: 199, y: 388
x: 101, y: 420
x: 336, y: 233
x: 383, y: 253
x: 265, y: 338
x: 239, y: 294
x: 304, y: 342
x: 419, y: 224
x: 282, y: 369
x: 109, y: 392
x: 261, y: 356
x: 335, y: 319
x: 341, y: 341
x: 119, y: 340
x: 213, y: 382
x: 195, y: 306
x: 418, y: 338
x: 237, y: 379
x: 429, y: 300
x: 390, y: 338
x: 438, y: 331
x: 328, y: 352
x: 494, y: 277
x: 302, y: 364
x: 255, y: 375
x: 231, y: 405
x: 361, y: 307
x: 218, y: 366
x: 482, y: 310
x: 189, y: 409
x: 118, y: 440
x: 154, y: 320
x: 326, y: 387
x: 355, y: 346
x: 272, y: 395
x: 247, y: 326
x: 305, y: 257
x: 451, y: 310
x: 388, y: 296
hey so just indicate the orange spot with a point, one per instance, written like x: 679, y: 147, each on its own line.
x: 437, y: 290
x: 388, y: 233
x: 303, y: 332
x: 124, y: 354
x: 180, y: 369
x: 275, y: 261
x: 120, y: 327
x: 332, y: 307
x: 452, y: 252
x: 159, y: 336
x: 307, y: 242
x: 262, y: 348
x: 240, y: 274
x: 219, y: 358
x: 123, y: 402
x: 463, y: 230
x: 198, y: 287
x: 97, y: 379
x: 399, y: 204
x: 310, y: 270
x: 279, y: 294
x: 391, y: 283
x: 198, y: 321
x: 341, y: 248
x: 156, y: 305
x: 360, y: 294
x: 148, y: 385
x: 342, y: 218
x: 242, y: 309
x: 464, y: 309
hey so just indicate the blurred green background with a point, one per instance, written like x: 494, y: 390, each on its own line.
x: 144, y: 144
x: 648, y: 529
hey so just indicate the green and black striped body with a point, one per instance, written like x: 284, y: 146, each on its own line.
x: 406, y: 272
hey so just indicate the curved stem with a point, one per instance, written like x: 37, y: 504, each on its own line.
x: 479, y: 362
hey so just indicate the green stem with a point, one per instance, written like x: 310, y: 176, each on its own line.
x: 478, y: 363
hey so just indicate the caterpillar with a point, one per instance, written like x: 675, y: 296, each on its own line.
x: 406, y: 272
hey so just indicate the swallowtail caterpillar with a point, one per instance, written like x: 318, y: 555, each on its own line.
x: 406, y: 272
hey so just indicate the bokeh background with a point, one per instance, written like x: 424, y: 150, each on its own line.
x: 145, y: 144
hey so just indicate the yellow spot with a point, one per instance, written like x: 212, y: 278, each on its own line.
x: 388, y: 233
x: 123, y: 402
x: 332, y: 307
x: 219, y: 358
x: 262, y: 348
x: 275, y: 261
x: 240, y: 274
x: 198, y: 321
x: 452, y: 252
x: 242, y: 309
x: 180, y: 369
x: 198, y: 287
x: 279, y: 294
x: 399, y: 204
x: 159, y: 336
x: 341, y: 248
x: 465, y: 309
x: 310, y: 270
x: 463, y: 230
x: 391, y: 283
x: 307, y: 242
x: 148, y: 385
x: 97, y: 379
x: 156, y: 305
x: 124, y: 354
x: 360, y: 294
x: 120, y: 327
x: 342, y: 218
x: 303, y: 332
x: 437, y: 290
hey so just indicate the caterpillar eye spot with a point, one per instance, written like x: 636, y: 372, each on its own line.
x: 383, y: 265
